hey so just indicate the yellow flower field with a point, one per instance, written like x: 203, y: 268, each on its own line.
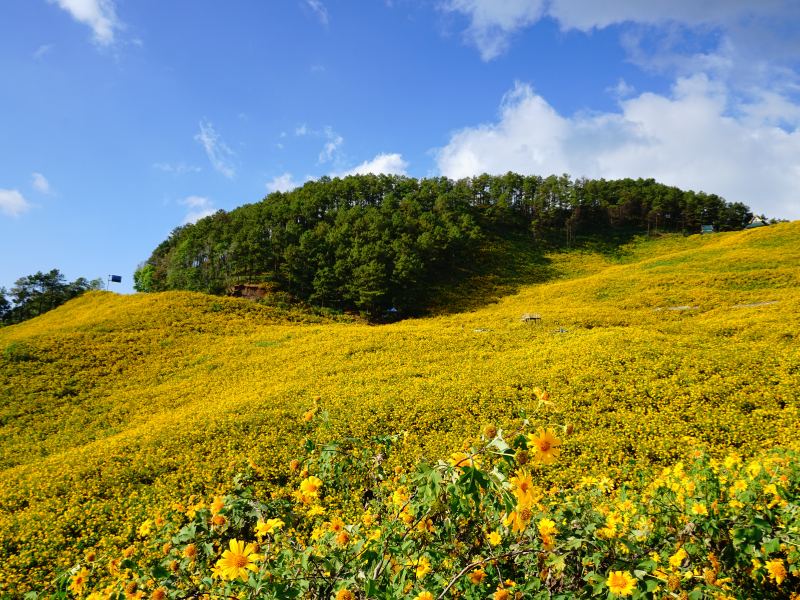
x: 115, y: 407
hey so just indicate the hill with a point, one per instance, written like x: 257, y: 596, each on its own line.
x: 113, y: 405
x: 377, y: 242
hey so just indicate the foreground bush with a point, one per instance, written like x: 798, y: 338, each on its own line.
x: 476, y: 525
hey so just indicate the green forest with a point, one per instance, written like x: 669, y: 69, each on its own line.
x: 33, y: 295
x: 379, y: 242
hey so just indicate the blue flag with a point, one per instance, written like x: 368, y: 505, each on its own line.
x: 116, y: 279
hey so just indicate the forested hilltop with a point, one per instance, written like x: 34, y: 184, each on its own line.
x: 371, y: 242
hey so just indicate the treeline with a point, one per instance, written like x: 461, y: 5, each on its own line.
x: 35, y: 294
x: 372, y: 242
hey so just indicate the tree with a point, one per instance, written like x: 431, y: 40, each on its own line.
x: 5, y: 305
x: 368, y: 242
x: 33, y: 295
x: 143, y: 278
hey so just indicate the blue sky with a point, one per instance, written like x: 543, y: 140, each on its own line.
x: 122, y: 119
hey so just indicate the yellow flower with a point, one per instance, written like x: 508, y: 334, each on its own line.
x: 501, y: 594
x: 343, y: 538
x: 344, y: 594
x: 518, y: 520
x: 217, y: 505
x: 132, y: 591
x: 546, y: 527
x: 477, y: 576
x: 522, y: 486
x: 621, y: 583
x: 426, y: 595
x: 546, y: 445
x: 739, y: 485
x: 269, y: 527
x: 732, y: 461
x: 309, y: 489
x: 676, y: 559
x: 146, y: 528
x: 699, y: 509
x: 495, y: 538
x: 400, y: 496
x: 462, y: 459
x: 423, y: 567
x: 238, y: 560
x: 776, y: 569
x: 190, y: 552
x: 335, y: 525
x: 78, y: 581
x: 113, y: 566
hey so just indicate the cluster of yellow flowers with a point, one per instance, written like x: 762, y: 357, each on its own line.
x: 124, y: 404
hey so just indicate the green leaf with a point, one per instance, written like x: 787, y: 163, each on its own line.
x: 159, y: 572
x: 573, y: 543
x: 772, y: 546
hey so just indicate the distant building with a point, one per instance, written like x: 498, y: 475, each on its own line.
x: 755, y: 222
x: 707, y: 229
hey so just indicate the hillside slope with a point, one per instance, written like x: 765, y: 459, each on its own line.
x: 113, y: 406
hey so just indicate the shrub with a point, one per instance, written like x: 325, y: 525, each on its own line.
x: 475, y: 525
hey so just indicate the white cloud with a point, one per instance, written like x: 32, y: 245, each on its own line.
x: 220, y: 156
x: 333, y: 141
x: 387, y: 164
x: 180, y: 168
x: 329, y: 150
x: 12, y: 203
x: 100, y: 15
x: 198, y: 206
x: 42, y: 50
x: 752, y: 27
x: 282, y: 183
x: 691, y: 138
x: 493, y: 22
x: 318, y: 8
x: 40, y: 183
x: 622, y: 89
x: 590, y: 14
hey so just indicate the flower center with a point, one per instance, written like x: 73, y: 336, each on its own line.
x: 241, y: 561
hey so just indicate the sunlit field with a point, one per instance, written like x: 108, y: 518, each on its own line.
x: 116, y: 407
